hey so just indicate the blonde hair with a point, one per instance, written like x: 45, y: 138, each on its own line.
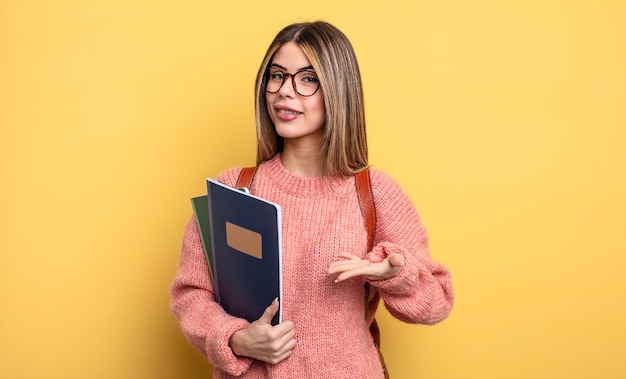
x: 344, y: 145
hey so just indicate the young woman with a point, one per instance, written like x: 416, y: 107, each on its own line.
x: 311, y: 142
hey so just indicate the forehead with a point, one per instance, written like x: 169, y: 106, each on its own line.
x: 291, y: 57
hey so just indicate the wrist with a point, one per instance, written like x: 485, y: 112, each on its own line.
x: 235, y: 343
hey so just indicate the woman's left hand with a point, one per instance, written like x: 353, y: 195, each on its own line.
x: 351, y: 266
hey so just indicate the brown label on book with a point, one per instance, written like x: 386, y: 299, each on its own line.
x: 244, y: 240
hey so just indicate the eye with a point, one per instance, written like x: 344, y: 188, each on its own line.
x: 308, y: 78
x: 276, y: 75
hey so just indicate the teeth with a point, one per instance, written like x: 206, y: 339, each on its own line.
x: 285, y: 111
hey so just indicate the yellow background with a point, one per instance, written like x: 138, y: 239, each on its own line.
x: 505, y: 121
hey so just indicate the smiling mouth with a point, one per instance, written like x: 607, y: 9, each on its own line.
x: 288, y: 112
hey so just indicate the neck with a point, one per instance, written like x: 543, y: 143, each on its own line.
x: 302, y: 161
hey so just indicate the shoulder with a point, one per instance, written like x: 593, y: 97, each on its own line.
x: 383, y: 182
x: 229, y: 176
x: 269, y: 167
x: 387, y: 191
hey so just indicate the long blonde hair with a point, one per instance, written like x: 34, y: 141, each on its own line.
x: 344, y: 145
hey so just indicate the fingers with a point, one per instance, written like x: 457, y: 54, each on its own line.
x: 279, y: 339
x: 396, y: 260
x: 269, y: 312
x: 279, y: 345
x: 352, y: 266
x: 278, y: 331
x: 372, y: 271
x: 349, y: 262
x: 281, y: 348
x: 264, y: 342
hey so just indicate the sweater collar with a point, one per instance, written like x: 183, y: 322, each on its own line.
x: 300, y: 186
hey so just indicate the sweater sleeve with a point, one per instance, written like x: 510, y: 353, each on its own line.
x: 203, y: 321
x: 422, y: 290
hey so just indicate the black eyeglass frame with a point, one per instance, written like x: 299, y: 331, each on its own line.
x: 293, y: 82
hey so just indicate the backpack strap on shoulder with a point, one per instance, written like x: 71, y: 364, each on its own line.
x: 368, y: 210
x: 245, y: 177
x: 366, y: 202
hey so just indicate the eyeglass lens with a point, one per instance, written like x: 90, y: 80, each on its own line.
x: 305, y: 82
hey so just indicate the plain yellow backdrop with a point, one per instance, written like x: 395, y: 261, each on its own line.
x: 505, y: 121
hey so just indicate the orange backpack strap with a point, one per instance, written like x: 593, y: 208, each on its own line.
x: 245, y: 177
x: 366, y: 202
x: 368, y: 210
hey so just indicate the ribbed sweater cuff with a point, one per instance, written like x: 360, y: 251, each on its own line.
x: 403, y: 284
x: 219, y: 351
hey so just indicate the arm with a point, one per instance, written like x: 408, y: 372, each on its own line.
x: 226, y: 341
x: 414, y: 288
x: 204, y: 323
x: 421, y: 292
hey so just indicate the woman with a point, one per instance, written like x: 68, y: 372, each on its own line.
x: 311, y: 142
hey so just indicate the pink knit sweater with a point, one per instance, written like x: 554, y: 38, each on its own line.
x: 319, y: 223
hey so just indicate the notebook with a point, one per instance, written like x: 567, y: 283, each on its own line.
x: 243, y: 247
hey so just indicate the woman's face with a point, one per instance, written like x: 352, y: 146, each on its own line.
x: 296, y: 117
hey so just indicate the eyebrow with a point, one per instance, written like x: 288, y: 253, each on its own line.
x: 285, y: 68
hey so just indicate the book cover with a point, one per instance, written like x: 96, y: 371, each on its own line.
x: 200, y: 205
x: 246, y: 250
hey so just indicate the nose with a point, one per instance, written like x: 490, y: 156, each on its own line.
x: 287, y: 90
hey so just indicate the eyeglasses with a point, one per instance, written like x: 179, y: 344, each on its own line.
x: 304, y: 82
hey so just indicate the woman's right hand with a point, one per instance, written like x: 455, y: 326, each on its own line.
x: 264, y: 342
